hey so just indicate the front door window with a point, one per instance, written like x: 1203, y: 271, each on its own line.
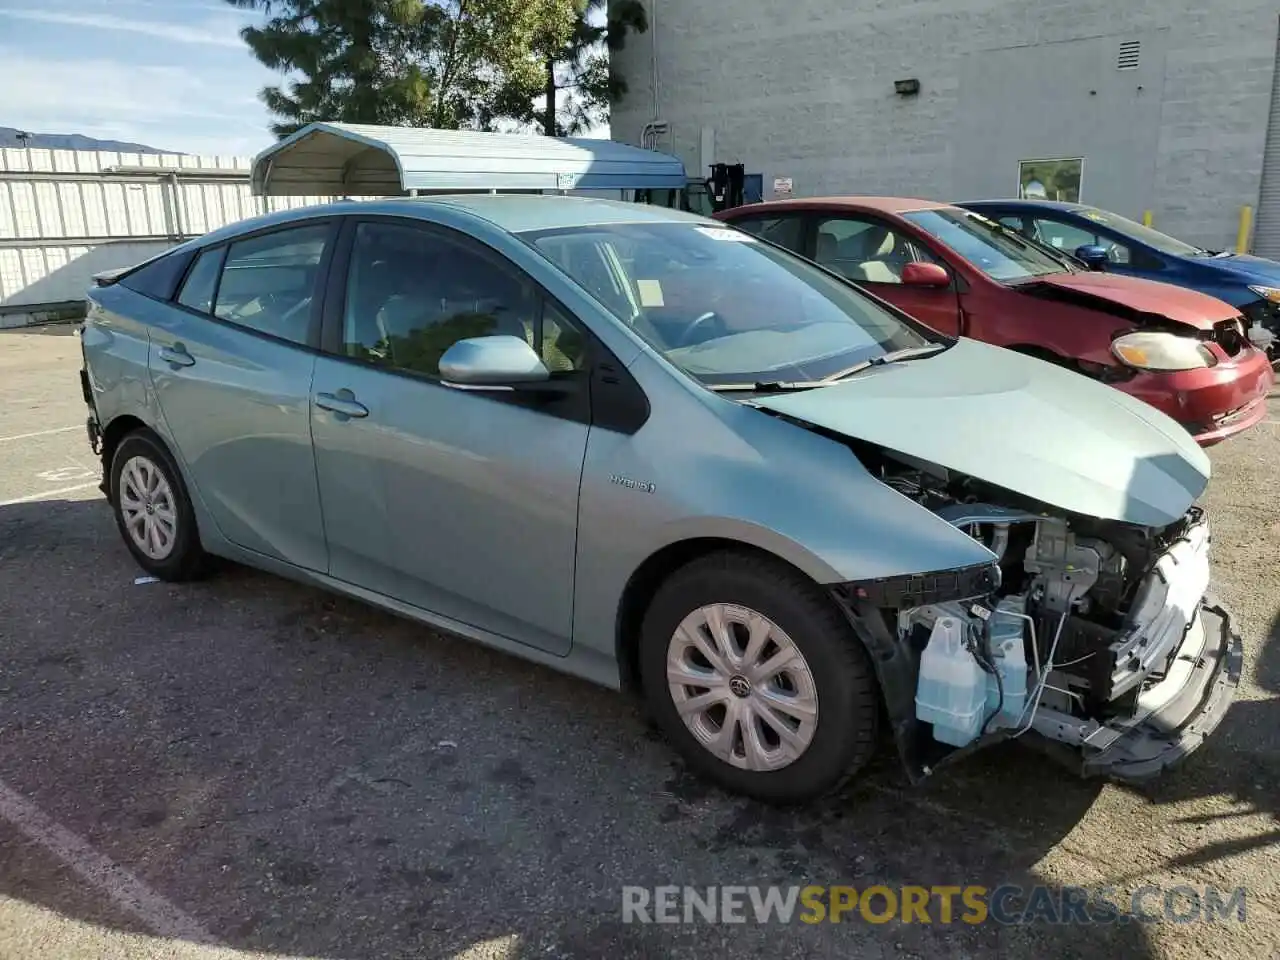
x: 865, y: 251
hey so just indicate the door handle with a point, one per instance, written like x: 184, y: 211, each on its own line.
x: 342, y: 403
x: 177, y: 355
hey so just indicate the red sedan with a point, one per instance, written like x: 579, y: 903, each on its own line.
x: 1185, y: 353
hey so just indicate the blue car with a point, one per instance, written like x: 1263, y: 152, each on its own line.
x: 1109, y: 241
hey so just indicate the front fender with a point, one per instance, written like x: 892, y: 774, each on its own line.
x: 705, y: 467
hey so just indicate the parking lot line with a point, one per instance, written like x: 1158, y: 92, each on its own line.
x: 100, y: 872
x: 42, y: 433
x: 47, y: 493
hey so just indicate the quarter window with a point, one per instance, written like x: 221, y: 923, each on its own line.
x: 268, y: 283
x: 158, y: 278
x: 197, y: 289
x: 413, y: 293
x: 865, y: 251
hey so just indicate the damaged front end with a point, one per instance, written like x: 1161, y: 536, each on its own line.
x: 1092, y: 638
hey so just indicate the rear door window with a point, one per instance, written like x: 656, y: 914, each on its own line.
x: 1016, y: 224
x: 268, y: 282
x: 784, y: 231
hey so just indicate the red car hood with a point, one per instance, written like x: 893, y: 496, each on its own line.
x: 1179, y: 304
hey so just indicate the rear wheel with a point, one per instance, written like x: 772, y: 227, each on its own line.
x: 757, y: 678
x: 153, y: 510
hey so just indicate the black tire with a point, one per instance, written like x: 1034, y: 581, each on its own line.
x: 848, y: 698
x: 186, y: 559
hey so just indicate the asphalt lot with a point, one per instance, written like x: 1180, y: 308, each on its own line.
x: 247, y: 766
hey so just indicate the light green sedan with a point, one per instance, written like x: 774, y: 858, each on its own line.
x: 656, y: 452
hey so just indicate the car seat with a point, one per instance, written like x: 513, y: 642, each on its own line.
x: 875, y: 248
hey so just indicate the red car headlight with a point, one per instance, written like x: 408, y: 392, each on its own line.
x: 1162, y: 352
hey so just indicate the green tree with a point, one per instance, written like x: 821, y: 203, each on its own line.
x: 438, y: 63
x: 576, y: 60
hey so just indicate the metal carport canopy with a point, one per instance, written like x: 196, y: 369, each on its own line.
x: 347, y: 159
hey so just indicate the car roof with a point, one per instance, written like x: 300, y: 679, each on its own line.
x: 1027, y: 202
x: 517, y: 213
x: 514, y: 213
x: 880, y: 204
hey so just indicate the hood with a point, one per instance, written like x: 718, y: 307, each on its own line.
x: 1019, y: 423
x: 1133, y: 294
x: 1250, y: 269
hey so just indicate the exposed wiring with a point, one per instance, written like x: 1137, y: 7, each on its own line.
x: 1035, y: 649
x: 1066, y: 693
x: 1072, y: 663
x: 1034, y: 704
x: 981, y: 652
x: 987, y: 665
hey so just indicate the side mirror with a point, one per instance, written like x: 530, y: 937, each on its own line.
x: 492, y: 362
x: 919, y: 274
x: 1093, y: 255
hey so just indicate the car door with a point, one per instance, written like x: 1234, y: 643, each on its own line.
x: 231, y: 363
x: 462, y: 502
x: 872, y: 254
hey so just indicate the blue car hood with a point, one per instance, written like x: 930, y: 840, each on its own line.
x: 1021, y: 424
x: 1251, y: 269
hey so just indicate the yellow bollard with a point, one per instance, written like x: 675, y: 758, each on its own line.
x: 1242, y: 238
x: 1146, y: 218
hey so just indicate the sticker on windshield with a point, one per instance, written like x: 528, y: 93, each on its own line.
x: 650, y: 293
x: 729, y: 236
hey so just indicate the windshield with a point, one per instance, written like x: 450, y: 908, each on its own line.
x: 1136, y: 231
x: 723, y: 306
x: 999, y: 253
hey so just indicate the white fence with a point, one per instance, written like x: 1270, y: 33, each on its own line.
x: 68, y: 214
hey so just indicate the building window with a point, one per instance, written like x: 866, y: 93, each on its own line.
x: 1051, y: 179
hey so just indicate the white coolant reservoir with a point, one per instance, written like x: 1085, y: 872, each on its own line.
x: 1009, y: 656
x: 951, y: 691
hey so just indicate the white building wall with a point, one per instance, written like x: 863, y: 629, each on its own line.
x: 65, y: 215
x: 805, y: 90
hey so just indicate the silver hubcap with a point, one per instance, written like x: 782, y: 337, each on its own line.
x: 147, y: 505
x: 742, y: 687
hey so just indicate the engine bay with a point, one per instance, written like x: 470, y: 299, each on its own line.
x: 1088, y: 614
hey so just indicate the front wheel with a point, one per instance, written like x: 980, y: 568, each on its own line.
x: 153, y: 510
x: 757, y: 678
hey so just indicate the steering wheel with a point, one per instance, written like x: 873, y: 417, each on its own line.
x: 697, y: 324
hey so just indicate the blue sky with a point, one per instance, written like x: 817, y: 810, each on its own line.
x: 172, y: 74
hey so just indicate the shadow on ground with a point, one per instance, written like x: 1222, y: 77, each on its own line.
x: 1235, y: 767
x: 308, y: 776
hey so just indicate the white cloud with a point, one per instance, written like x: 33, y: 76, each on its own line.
x: 216, y: 32
x: 172, y: 108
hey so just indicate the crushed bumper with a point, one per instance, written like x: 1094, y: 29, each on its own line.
x: 1211, y: 403
x: 1172, y: 718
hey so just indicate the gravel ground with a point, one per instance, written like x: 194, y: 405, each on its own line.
x: 249, y: 767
